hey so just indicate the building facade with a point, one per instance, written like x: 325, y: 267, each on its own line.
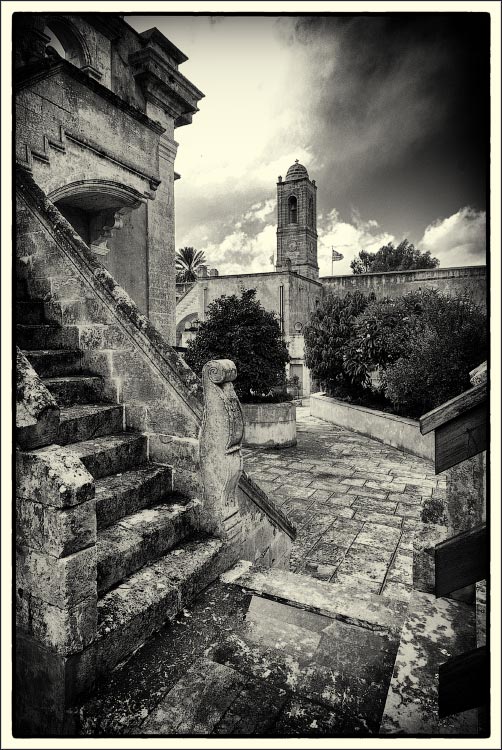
x: 292, y: 291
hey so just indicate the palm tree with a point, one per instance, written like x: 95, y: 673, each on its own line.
x: 188, y: 260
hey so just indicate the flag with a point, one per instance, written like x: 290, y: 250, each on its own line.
x: 336, y: 255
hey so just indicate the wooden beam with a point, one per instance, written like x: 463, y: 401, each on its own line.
x: 464, y: 682
x: 453, y: 408
x: 461, y: 560
x: 461, y: 438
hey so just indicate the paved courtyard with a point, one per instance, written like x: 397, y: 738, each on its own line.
x: 354, y: 501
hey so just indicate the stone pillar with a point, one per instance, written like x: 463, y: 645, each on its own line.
x: 56, y: 590
x: 161, y: 273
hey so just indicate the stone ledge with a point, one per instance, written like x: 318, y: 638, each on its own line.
x: 398, y: 432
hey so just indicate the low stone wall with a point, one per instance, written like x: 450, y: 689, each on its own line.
x: 455, y: 281
x: 398, y: 432
x: 270, y: 425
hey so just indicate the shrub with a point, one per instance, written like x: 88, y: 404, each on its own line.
x: 384, y: 331
x: 449, y: 342
x: 240, y: 329
x: 331, y: 351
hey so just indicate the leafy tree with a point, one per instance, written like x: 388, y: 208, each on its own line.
x: 329, y: 341
x: 425, y: 344
x: 240, y: 329
x: 404, y: 257
x: 188, y: 260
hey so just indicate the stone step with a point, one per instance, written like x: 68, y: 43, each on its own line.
x: 49, y: 363
x: 119, y: 495
x: 342, y: 667
x: 139, y: 539
x: 69, y: 390
x: 30, y: 312
x: 47, y: 337
x: 213, y: 699
x: 434, y: 630
x: 87, y: 421
x: 112, y: 454
x: 131, y: 612
x: 335, y: 600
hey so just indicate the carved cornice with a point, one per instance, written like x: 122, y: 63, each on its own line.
x: 163, y: 85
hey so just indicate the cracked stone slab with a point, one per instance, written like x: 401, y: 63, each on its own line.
x: 434, y: 630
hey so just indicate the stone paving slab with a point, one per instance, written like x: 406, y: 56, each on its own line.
x: 355, y: 502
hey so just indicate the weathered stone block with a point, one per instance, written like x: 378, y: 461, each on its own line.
x: 53, y: 476
x: 65, y: 631
x: 63, y: 582
x: 426, y: 537
x: 47, y: 686
x: 55, y: 531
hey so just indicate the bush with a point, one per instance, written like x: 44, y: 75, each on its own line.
x: 449, y: 342
x: 240, y: 329
x: 385, y: 330
x: 331, y: 351
x: 423, y: 344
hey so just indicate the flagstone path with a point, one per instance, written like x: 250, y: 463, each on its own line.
x: 354, y: 501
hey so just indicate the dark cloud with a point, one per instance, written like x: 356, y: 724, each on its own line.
x: 403, y: 101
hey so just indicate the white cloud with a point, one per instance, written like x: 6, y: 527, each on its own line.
x: 458, y: 240
x: 240, y: 252
x: 348, y: 239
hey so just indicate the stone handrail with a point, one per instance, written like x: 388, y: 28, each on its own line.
x: 220, y: 443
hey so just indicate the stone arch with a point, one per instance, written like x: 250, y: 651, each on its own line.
x: 71, y: 40
x: 181, y: 327
x: 96, y: 208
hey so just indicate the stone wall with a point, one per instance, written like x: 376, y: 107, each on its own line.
x: 454, y: 281
x: 97, y: 132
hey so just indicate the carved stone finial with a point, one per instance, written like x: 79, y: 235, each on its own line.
x: 220, y: 370
x: 220, y: 443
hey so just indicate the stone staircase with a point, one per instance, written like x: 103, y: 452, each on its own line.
x: 152, y: 557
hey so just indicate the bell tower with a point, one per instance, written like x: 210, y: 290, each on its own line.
x: 297, y: 223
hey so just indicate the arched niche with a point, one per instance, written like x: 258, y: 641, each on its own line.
x: 111, y: 219
x: 96, y: 208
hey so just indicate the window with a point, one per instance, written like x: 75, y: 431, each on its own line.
x: 293, y: 210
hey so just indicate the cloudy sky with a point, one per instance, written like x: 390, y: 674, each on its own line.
x: 389, y: 113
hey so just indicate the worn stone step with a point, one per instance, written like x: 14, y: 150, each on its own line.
x: 47, y: 337
x: 112, y: 454
x: 49, y: 363
x: 69, y: 390
x: 131, y: 612
x: 30, y: 312
x: 344, y: 602
x: 119, y: 495
x: 343, y: 667
x: 142, y: 537
x: 435, y: 629
x: 213, y: 699
x: 87, y: 421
